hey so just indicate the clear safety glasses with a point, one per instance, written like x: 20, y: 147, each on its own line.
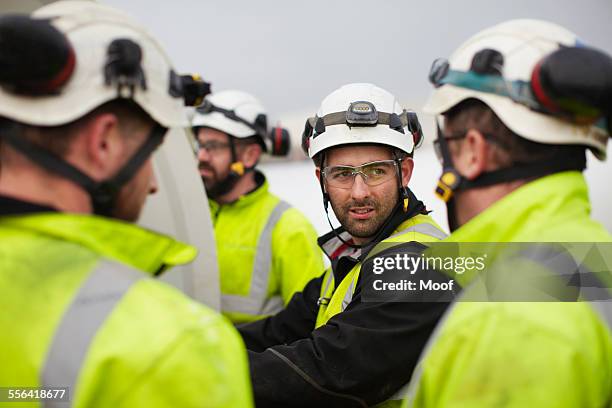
x: 373, y: 173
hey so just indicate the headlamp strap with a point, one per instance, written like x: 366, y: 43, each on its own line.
x: 339, y: 118
x: 259, y: 126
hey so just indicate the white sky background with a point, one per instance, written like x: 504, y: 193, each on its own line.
x: 291, y: 54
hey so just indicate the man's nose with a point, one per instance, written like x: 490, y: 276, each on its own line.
x: 203, y: 155
x: 153, y: 185
x: 360, y: 189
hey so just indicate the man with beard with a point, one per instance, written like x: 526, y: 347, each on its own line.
x: 332, y: 346
x: 86, y: 96
x: 265, y: 248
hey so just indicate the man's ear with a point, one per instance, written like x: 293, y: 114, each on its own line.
x: 318, y: 174
x: 103, y: 145
x: 250, y: 155
x: 407, y: 168
x: 471, y: 158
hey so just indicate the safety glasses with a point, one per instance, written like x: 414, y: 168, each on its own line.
x: 213, y: 146
x: 373, y: 174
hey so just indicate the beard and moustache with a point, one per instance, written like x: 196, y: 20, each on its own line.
x: 215, y: 186
x: 369, y: 227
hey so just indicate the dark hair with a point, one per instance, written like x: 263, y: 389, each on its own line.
x: 509, y: 148
x: 57, y: 139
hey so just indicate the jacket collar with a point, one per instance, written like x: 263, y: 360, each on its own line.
x: 15, y: 206
x: 519, y: 216
x: 127, y: 243
x: 260, y: 190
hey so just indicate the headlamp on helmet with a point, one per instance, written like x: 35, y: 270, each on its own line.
x: 363, y: 114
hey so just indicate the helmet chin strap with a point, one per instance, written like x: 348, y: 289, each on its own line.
x: 103, y: 194
x: 403, y: 190
x: 451, y: 181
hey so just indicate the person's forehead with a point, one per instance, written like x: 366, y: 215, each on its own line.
x: 208, y: 134
x: 356, y: 155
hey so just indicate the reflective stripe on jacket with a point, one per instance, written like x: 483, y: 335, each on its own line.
x: 266, y: 251
x: 80, y: 310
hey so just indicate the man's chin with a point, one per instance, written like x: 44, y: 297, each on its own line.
x: 209, y: 184
x: 359, y: 230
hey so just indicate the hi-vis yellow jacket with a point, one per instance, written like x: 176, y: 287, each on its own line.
x: 523, y: 354
x: 80, y: 309
x: 266, y: 251
x: 420, y: 228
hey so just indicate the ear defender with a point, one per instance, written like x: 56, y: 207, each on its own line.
x: 306, y: 137
x: 574, y: 82
x: 280, y: 141
x: 35, y: 57
x: 414, y: 127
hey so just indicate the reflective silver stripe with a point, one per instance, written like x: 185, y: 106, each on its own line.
x: 272, y: 305
x: 605, y: 311
x: 256, y: 302
x: 423, y: 228
x: 95, y: 300
x: 328, y: 281
x: 348, y: 296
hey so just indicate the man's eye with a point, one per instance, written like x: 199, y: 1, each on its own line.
x: 377, y: 171
x: 342, y: 174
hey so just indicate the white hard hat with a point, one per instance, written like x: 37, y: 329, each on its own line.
x: 361, y: 113
x: 522, y: 44
x: 235, y: 113
x: 92, y: 30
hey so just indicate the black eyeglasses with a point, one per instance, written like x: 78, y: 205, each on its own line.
x: 436, y: 144
x: 490, y: 138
